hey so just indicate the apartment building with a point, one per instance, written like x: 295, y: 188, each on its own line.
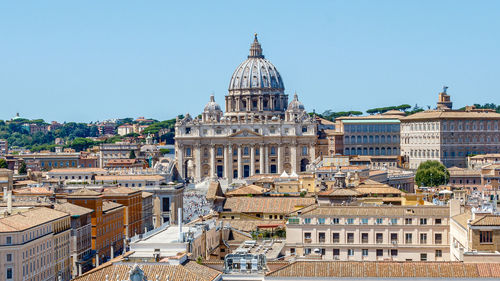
x: 474, y: 234
x: 478, y: 161
x: 34, y: 245
x: 131, y: 199
x: 4, y: 147
x: 119, y: 150
x: 107, y: 221
x: 147, y: 211
x: 359, y: 233
x: 132, y: 180
x: 76, y: 174
x: 81, y: 237
x: 448, y: 135
x: 371, y: 135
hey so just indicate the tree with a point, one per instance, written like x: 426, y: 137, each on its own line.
x: 432, y: 173
x: 131, y: 155
x: 22, y: 169
x: 3, y: 163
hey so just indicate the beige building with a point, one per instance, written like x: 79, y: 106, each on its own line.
x: 371, y: 135
x: 474, y: 234
x: 357, y: 233
x: 448, y: 135
x: 34, y: 245
x: 260, y: 132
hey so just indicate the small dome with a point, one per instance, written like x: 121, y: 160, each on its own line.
x: 256, y: 72
x: 212, y: 106
x: 295, y: 104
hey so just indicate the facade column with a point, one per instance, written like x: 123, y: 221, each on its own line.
x: 212, y: 161
x: 197, y: 157
x: 230, y: 163
x: 226, y: 162
x: 280, y: 160
x: 266, y: 158
x: 252, y: 160
x: 312, y: 152
x: 240, y: 163
x: 293, y: 156
x: 261, y: 159
x: 180, y: 160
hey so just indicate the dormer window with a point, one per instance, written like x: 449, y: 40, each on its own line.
x: 304, y: 129
x: 188, y: 130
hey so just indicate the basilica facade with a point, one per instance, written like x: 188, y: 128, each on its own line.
x: 259, y: 132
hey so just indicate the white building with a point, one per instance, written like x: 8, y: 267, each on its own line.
x: 258, y: 133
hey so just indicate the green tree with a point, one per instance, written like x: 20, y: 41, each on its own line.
x: 432, y: 173
x: 164, y: 150
x: 80, y: 144
x: 132, y: 155
x: 22, y: 169
x: 3, y: 163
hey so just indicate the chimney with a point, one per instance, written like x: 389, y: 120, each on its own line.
x: 9, y: 202
x: 179, y: 221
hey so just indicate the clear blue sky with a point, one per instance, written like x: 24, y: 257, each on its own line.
x: 93, y: 60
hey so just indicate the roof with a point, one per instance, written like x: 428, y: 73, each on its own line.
x: 340, y: 192
x: 214, y: 191
x: 266, y: 204
x: 72, y: 209
x: 462, y: 219
x: 451, y: 114
x: 129, y: 177
x: 191, y: 271
x: 32, y: 190
x: 385, y: 211
x: 374, y: 187
x: 246, y: 190
x: 487, y: 220
x: 29, y: 219
x: 84, y: 192
x: 389, y: 269
x: 77, y: 170
x: 120, y: 190
x: 146, y: 194
x: 456, y: 171
x: 109, y: 205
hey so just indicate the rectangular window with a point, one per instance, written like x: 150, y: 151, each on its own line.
x: 336, y: 237
x: 394, y: 221
x: 8, y: 240
x: 364, y: 252
x: 336, y: 253
x: 307, y: 221
x: 350, y: 221
x: 437, y: 221
x: 394, y: 238
x: 364, y: 238
x: 394, y: 253
x: 379, y: 221
x: 380, y: 253
x: 485, y: 237
x: 423, y: 257
x: 408, y: 238
x: 321, y: 237
x: 439, y: 253
x: 408, y: 221
x: 321, y: 220
x: 350, y: 252
x: 307, y: 236
x: 438, y: 238
x: 9, y: 273
x: 293, y: 221
x: 335, y: 221
x: 364, y: 221
x: 423, y: 238
x: 379, y: 238
x: 350, y: 237
x: 423, y: 221
x: 9, y: 257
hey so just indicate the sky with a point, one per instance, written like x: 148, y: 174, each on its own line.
x: 94, y: 60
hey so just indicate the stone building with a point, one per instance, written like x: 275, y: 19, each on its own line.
x: 376, y: 233
x: 448, y: 135
x: 260, y: 132
x: 371, y: 135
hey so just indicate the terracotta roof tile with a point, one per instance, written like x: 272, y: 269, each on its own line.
x: 266, y: 204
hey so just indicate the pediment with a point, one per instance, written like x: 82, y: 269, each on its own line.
x: 245, y: 134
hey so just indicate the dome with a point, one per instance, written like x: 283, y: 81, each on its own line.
x: 212, y: 106
x: 295, y: 104
x: 256, y: 72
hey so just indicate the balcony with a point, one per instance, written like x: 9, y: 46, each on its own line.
x: 307, y: 240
